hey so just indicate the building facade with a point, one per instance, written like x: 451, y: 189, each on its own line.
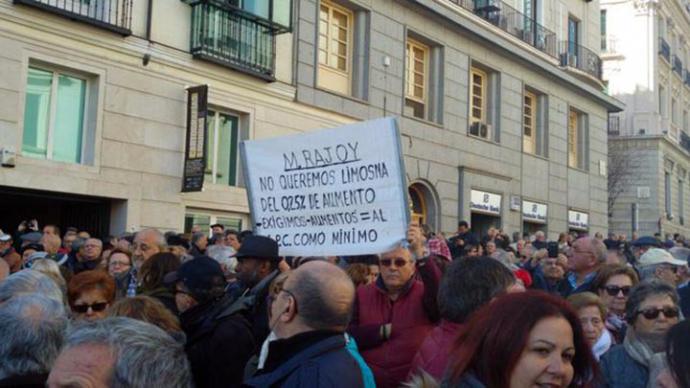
x: 500, y: 105
x: 646, y: 59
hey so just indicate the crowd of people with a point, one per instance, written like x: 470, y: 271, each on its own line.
x: 224, y: 309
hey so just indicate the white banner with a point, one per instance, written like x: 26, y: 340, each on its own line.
x: 578, y: 220
x: 534, y: 212
x: 337, y: 191
x: 483, y: 202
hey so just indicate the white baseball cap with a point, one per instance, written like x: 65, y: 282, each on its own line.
x: 659, y: 256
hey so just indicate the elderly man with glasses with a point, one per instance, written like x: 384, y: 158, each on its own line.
x: 660, y: 264
x: 394, y: 314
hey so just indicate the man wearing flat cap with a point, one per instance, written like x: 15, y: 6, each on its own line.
x: 219, y: 338
x: 257, y: 266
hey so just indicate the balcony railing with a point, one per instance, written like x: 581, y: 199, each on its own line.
x: 664, y: 49
x: 678, y: 66
x: 513, y: 22
x: 232, y: 39
x: 113, y: 15
x: 581, y: 58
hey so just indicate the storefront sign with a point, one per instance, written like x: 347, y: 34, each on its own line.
x: 534, y: 212
x: 338, y: 191
x: 578, y: 220
x: 483, y: 202
x: 195, y: 160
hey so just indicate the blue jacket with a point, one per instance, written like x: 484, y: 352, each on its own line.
x: 619, y: 370
x: 326, y: 363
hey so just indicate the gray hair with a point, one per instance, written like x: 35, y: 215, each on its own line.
x: 30, y: 281
x: 33, y: 328
x: 145, y: 355
x: 649, y: 271
x: 159, y: 237
x: 599, y: 250
x: 643, y: 291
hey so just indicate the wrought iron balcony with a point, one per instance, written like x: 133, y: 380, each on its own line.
x: 678, y: 66
x: 664, y: 50
x: 581, y: 58
x: 229, y: 38
x: 113, y: 15
x: 273, y: 14
x: 513, y: 22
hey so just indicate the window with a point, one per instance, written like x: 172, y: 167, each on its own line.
x: 667, y: 195
x: 221, y: 149
x: 55, y: 116
x: 529, y: 123
x: 573, y: 36
x: 681, y: 209
x: 335, y: 47
x: 416, y: 89
x: 602, y: 23
x: 572, y: 139
x: 578, y: 140
x: 662, y: 101
x: 204, y: 221
x: 478, y: 103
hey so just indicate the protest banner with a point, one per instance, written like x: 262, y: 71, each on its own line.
x: 337, y: 191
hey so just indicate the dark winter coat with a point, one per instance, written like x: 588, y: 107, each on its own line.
x: 219, y: 343
x: 313, y: 359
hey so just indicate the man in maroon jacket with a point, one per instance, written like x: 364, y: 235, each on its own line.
x: 393, y: 315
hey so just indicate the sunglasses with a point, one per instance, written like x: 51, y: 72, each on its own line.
x: 83, y: 308
x: 397, y: 262
x: 669, y: 312
x: 614, y: 290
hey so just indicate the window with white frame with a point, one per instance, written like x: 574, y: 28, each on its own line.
x: 484, y: 103
x: 478, y: 103
x: 56, y: 115
x: 335, y: 47
x: 529, y: 122
x: 222, y: 156
x: 417, y: 83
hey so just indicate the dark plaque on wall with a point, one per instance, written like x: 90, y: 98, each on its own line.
x: 194, y: 157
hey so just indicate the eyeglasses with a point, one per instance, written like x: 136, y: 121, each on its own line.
x: 397, y: 262
x: 96, y: 307
x: 614, y: 290
x: 653, y: 313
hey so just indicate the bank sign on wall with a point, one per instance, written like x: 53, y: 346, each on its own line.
x: 487, y: 203
x: 338, y: 191
x: 578, y: 220
x: 534, y: 212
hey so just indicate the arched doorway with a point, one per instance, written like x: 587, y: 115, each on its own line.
x: 417, y: 206
x: 423, y: 205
